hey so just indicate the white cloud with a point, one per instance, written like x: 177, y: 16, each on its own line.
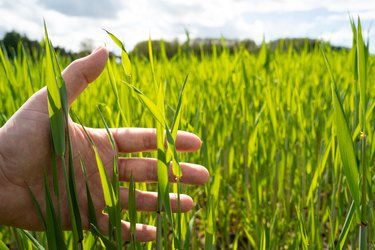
x: 88, y: 8
x: 21, y: 16
x: 135, y: 20
x: 341, y: 36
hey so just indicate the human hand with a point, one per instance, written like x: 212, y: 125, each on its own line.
x: 25, y: 155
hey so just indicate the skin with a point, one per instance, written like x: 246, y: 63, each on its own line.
x: 25, y: 155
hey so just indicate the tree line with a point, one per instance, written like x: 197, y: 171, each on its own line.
x: 12, y: 40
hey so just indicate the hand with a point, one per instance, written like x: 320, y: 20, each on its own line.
x: 25, y: 155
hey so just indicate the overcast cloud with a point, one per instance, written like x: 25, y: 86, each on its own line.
x: 86, y: 8
x: 71, y: 21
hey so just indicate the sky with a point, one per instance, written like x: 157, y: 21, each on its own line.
x: 70, y: 22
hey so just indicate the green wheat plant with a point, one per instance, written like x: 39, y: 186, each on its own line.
x: 358, y: 189
x: 288, y: 139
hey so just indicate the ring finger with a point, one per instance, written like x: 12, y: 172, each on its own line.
x: 148, y: 201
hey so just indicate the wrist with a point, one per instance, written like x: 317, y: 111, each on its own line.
x: 2, y: 157
x: 3, y: 180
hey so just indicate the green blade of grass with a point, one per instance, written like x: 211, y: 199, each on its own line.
x: 53, y: 230
x: 59, y: 130
x: 35, y: 243
x: 38, y: 208
x: 126, y: 64
x: 115, y: 39
x: 73, y: 199
x: 162, y: 173
x: 107, y: 243
x: 54, y: 174
x: 176, y: 168
x: 302, y: 228
x: 110, y: 137
x: 361, y: 69
x: 124, y: 55
x: 345, y: 142
x: 162, y: 157
x: 115, y: 210
x: 177, y: 115
x: 155, y: 111
x: 132, y: 210
x: 319, y: 171
x: 189, y: 231
x: 112, y: 81
x: 109, y: 195
x: 272, y: 111
x: 149, y: 104
x: 211, y: 210
x: 108, y: 192
x: 171, y: 137
x: 345, y: 229
x: 151, y: 58
x: 55, y: 84
x: 54, y: 100
x: 90, y: 204
x: 3, y: 246
x: 354, y: 48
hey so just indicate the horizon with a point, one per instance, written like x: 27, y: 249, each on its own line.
x: 192, y: 41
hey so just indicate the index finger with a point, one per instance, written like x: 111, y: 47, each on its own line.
x: 131, y: 140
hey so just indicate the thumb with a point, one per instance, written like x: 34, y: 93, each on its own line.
x: 83, y: 71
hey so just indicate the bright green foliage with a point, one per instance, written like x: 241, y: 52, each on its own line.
x: 304, y: 241
x: 110, y: 192
x: 109, y: 195
x: 3, y: 246
x: 54, y: 84
x: 59, y: 118
x: 132, y: 210
x: 345, y: 144
x: 34, y: 242
x: 90, y: 204
x: 124, y: 55
x: 273, y: 141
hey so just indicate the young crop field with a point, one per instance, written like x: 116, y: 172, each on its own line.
x: 288, y: 140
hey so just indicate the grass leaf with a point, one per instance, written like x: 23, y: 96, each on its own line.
x: 108, y: 191
x: 345, y: 229
x: 35, y: 243
x: 90, y: 204
x: 124, y: 55
x: 114, y: 211
x: 54, y: 99
x: 132, y: 210
x: 149, y: 105
x: 107, y: 243
x: 3, y: 246
x: 362, y: 69
x: 345, y: 142
x: 53, y: 229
